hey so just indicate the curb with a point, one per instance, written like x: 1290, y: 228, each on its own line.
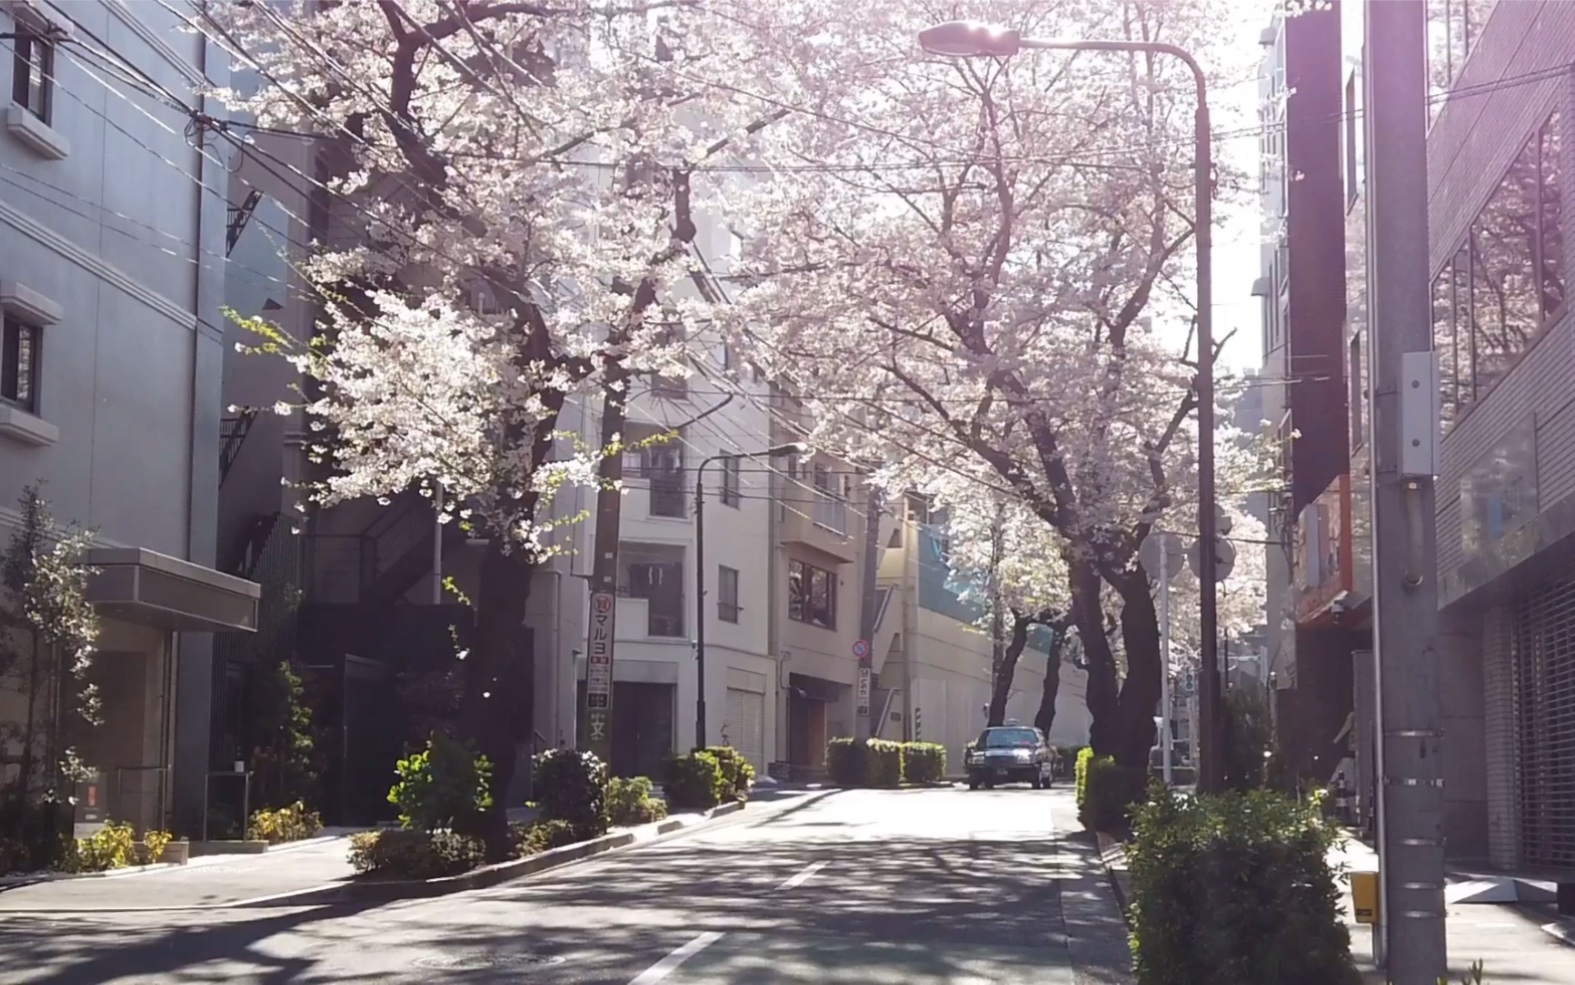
x: 192, y: 862
x: 1562, y: 931
x: 1113, y: 856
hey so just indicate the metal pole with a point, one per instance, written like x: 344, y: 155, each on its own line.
x: 869, y: 597
x: 1404, y: 418
x: 437, y: 547
x: 700, y: 603
x: 1164, y: 652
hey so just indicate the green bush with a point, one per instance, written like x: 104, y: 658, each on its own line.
x: 412, y: 854
x: 885, y: 762
x: 695, y: 781
x: 535, y: 837
x: 629, y: 801
x: 1235, y: 890
x: 441, y: 787
x: 154, y: 842
x: 570, y: 785
x: 846, y: 765
x: 35, y: 835
x: 923, y: 762
x: 735, y: 769
x: 292, y: 823
x: 1107, y: 791
x: 111, y: 847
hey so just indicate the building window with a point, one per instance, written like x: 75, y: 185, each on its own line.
x: 33, y: 72
x: 812, y: 595
x: 1492, y: 299
x: 730, y: 493
x: 19, y: 365
x: 727, y: 607
x: 661, y: 584
x: 1453, y: 29
x: 1350, y: 142
x: 1354, y: 400
x: 656, y: 454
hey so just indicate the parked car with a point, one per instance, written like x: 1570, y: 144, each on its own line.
x: 1010, y: 754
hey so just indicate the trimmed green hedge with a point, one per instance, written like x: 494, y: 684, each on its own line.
x: 736, y: 771
x: 923, y: 762
x: 695, y: 782
x: 1235, y: 890
x: 1106, y: 792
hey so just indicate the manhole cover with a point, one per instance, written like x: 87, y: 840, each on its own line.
x: 484, y: 962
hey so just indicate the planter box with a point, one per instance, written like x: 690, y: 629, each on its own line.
x: 176, y: 853
x: 228, y: 847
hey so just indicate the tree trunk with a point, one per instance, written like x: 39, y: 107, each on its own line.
x: 1006, y: 669
x: 1104, y: 702
x: 1140, y: 692
x: 499, y: 679
x: 1046, y: 714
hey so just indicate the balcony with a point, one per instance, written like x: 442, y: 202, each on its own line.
x: 820, y: 521
x: 651, y: 575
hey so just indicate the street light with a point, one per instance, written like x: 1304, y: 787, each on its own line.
x: 776, y: 451
x: 971, y: 39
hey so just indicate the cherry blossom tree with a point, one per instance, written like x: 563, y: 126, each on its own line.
x: 965, y: 261
x: 517, y: 190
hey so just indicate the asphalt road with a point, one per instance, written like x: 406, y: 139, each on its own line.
x: 870, y: 887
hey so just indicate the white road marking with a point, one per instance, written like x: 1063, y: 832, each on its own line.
x: 802, y: 877
x: 659, y: 971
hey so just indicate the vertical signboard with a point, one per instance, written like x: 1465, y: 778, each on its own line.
x: 864, y: 691
x: 599, y: 675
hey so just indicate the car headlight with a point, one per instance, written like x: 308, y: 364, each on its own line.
x: 975, y: 757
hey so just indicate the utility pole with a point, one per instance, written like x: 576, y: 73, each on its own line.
x: 1167, y: 710
x: 869, y: 600
x: 597, y: 709
x: 1404, y: 438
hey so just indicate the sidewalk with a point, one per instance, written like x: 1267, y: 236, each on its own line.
x: 1096, y: 929
x: 1507, y: 939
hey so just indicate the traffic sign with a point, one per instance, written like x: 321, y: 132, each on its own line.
x: 861, y: 648
x: 1224, y: 559
x: 1149, y: 553
x: 863, y: 691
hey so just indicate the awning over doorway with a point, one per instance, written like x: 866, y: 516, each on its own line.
x: 141, y: 586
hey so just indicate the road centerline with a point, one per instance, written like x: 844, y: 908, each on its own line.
x: 659, y: 971
x: 802, y: 876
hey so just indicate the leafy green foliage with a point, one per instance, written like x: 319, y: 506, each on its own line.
x: 408, y: 854
x: 1106, y: 791
x: 870, y: 762
x: 285, y: 760
x: 571, y: 786
x: 695, y: 782
x: 47, y: 635
x: 538, y: 836
x: 292, y: 822
x: 111, y: 847
x: 35, y: 836
x: 629, y: 801
x: 923, y: 762
x: 1249, y: 739
x: 1235, y: 890
x: 444, y: 786
x: 735, y: 770
x: 846, y: 764
x: 153, y: 845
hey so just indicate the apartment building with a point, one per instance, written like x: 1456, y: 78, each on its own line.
x: 112, y: 277
x: 1306, y: 652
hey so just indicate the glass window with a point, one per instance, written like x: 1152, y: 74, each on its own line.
x: 812, y: 595
x: 727, y: 607
x: 1009, y: 738
x: 1354, y: 401
x: 19, y: 365
x: 33, y: 72
x: 730, y: 492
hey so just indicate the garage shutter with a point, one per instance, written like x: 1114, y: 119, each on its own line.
x: 745, y: 726
x: 1544, y: 686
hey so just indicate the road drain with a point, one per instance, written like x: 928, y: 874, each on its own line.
x: 485, y: 962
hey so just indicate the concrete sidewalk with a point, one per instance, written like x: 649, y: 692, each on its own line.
x: 1507, y: 939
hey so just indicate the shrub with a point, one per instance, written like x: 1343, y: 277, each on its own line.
x: 846, y: 765
x: 535, y: 837
x: 571, y: 786
x: 695, y: 781
x: 629, y: 801
x: 153, y: 844
x: 923, y: 762
x: 1085, y: 756
x: 442, y: 786
x: 1108, y: 793
x: 292, y: 823
x: 736, y: 771
x: 1235, y: 890
x: 885, y: 762
x: 111, y: 847
x: 34, y: 835
x: 410, y: 854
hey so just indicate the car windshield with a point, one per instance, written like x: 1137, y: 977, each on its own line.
x: 1009, y: 738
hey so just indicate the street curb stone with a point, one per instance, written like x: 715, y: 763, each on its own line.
x: 1113, y: 855
x: 1562, y: 931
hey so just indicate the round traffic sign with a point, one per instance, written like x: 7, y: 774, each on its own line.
x: 1149, y: 555
x: 861, y: 648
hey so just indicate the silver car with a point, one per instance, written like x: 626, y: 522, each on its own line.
x: 1010, y: 754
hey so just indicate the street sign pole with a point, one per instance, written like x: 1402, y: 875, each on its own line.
x: 598, y: 675
x: 861, y: 651
x: 1166, y: 710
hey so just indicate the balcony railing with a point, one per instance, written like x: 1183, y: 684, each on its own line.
x: 667, y: 495
x: 831, y: 512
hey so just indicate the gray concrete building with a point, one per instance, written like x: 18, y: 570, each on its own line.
x: 112, y: 243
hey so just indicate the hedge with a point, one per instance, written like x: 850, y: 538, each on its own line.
x: 571, y: 785
x: 695, y: 782
x: 736, y: 771
x: 1106, y: 791
x: 923, y: 762
x: 414, y: 854
x: 1235, y: 890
